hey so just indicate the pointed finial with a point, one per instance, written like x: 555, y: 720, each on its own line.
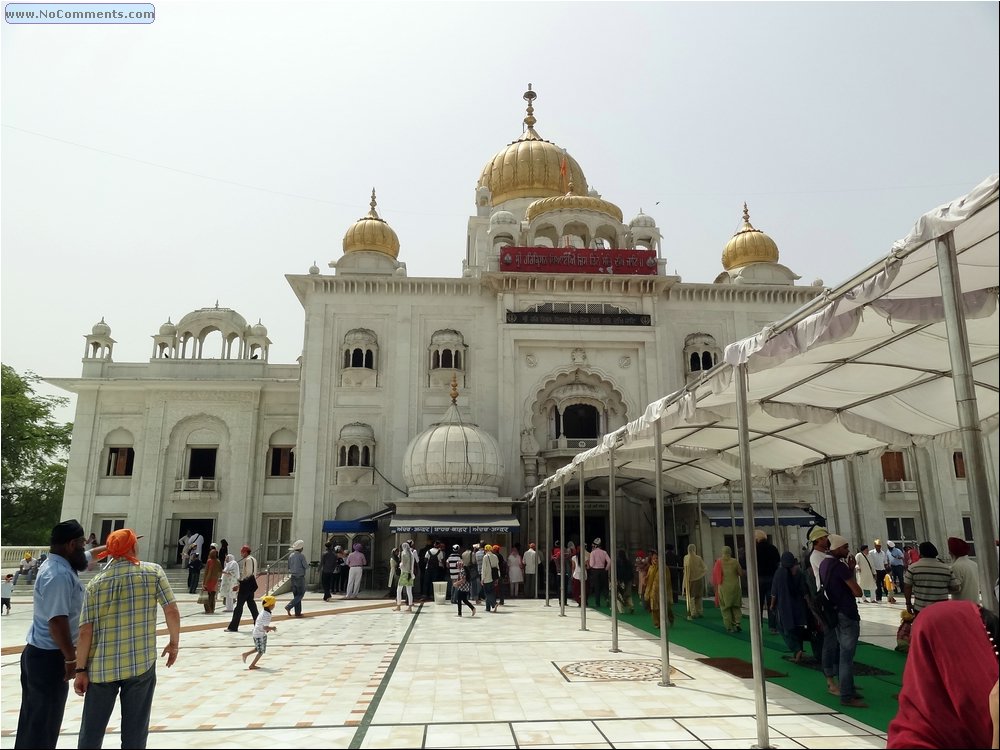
x: 454, y: 388
x: 102, y: 320
x: 216, y: 304
x: 529, y: 97
x: 746, y: 214
x: 372, y: 213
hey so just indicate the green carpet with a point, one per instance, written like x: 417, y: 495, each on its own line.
x: 708, y: 636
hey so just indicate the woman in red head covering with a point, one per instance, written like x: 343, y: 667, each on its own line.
x: 950, y: 670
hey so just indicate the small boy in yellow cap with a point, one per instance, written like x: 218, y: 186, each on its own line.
x: 261, y: 627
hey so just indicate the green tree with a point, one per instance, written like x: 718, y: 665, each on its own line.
x: 34, y: 450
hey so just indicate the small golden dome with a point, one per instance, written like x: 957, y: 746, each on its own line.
x: 573, y: 202
x: 748, y: 245
x: 531, y: 167
x: 371, y: 232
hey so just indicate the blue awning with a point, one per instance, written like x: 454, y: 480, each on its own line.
x: 718, y: 515
x: 364, y: 524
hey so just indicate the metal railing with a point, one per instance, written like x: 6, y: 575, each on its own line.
x: 902, y: 486
x: 201, y: 484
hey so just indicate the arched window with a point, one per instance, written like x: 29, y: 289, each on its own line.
x: 353, y: 456
x: 369, y: 359
x: 700, y: 353
x: 366, y: 456
x: 357, y: 358
x: 446, y: 350
x: 342, y: 461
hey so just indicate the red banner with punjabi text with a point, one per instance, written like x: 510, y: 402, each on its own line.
x: 578, y: 260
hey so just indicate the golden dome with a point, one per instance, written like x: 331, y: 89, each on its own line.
x: 531, y: 167
x: 748, y: 245
x: 371, y: 233
x: 573, y: 202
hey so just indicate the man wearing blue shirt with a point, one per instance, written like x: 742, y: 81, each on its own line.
x: 48, y: 661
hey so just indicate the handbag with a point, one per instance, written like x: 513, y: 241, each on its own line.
x: 203, y: 597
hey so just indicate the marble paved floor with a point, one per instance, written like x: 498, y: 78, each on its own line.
x: 355, y: 674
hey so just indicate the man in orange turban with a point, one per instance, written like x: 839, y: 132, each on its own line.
x: 117, y: 648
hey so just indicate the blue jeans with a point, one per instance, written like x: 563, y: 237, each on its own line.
x: 831, y: 652
x: 43, y: 697
x: 848, y: 633
x: 137, y: 701
x: 298, y: 591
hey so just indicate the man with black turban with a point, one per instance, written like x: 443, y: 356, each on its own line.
x: 48, y: 661
x: 928, y: 580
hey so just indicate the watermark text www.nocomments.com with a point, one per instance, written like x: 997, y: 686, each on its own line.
x: 79, y: 13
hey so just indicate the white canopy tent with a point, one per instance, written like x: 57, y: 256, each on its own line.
x: 903, y: 353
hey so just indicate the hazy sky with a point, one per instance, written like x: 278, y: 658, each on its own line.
x: 151, y: 170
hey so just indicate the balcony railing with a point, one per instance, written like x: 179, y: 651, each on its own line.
x: 570, y: 443
x: 201, y: 484
x: 902, y: 486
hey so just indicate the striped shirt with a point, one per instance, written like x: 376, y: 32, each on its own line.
x: 931, y: 580
x: 121, y: 604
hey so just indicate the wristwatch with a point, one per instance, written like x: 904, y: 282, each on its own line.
x: 78, y: 670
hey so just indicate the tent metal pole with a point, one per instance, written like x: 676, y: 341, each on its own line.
x: 661, y: 572
x: 983, y: 516
x: 613, y: 546
x: 756, y: 642
x: 524, y: 542
x: 925, y: 519
x: 833, y: 496
x: 774, y: 509
x: 581, y: 562
x: 562, y: 546
x: 852, y: 501
x: 548, y: 544
x: 732, y: 519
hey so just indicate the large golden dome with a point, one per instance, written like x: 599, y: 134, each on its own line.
x: 573, y: 202
x: 371, y: 232
x: 748, y: 245
x: 531, y: 167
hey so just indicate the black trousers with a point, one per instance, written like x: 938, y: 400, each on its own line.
x: 246, y: 594
x: 43, y: 697
x: 327, y: 579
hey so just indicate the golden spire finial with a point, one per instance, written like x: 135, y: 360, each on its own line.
x: 454, y: 388
x: 746, y: 216
x: 372, y: 213
x: 529, y: 97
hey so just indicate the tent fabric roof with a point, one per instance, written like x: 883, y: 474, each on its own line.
x: 863, y: 368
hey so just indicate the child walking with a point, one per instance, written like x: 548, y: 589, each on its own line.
x: 7, y: 592
x: 462, y: 587
x: 261, y: 628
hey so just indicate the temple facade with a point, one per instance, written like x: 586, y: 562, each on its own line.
x: 427, y: 407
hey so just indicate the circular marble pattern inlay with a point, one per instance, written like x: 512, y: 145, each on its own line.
x: 616, y: 669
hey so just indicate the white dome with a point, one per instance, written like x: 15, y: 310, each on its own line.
x: 357, y: 431
x: 453, y: 454
x: 258, y: 329
x: 502, y: 217
x: 101, y: 328
x: 168, y: 328
x: 642, y: 220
